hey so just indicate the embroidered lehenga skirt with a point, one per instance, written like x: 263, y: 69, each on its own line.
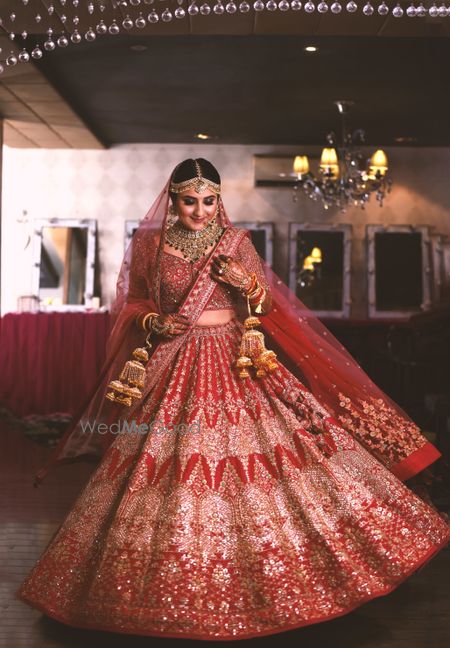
x: 244, y: 510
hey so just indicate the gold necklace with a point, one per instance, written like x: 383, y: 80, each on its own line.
x: 193, y: 243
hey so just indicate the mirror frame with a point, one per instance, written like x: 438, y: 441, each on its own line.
x: 437, y: 260
x: 347, y: 230
x: 445, y: 267
x: 371, y: 231
x: 86, y: 223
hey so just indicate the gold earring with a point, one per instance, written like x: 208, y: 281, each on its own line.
x: 173, y: 216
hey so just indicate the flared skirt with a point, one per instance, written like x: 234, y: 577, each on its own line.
x: 230, y: 508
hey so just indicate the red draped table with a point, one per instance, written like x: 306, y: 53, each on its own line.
x: 49, y: 361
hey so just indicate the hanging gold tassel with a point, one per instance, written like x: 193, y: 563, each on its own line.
x: 132, y: 377
x: 252, y: 351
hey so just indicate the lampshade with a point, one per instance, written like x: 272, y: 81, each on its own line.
x: 301, y: 165
x: 379, y: 162
x: 328, y: 158
x: 316, y: 255
x: 329, y: 162
x: 308, y: 263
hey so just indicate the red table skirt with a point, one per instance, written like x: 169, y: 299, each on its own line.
x: 50, y: 361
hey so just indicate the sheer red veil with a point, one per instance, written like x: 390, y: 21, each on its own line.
x: 313, y: 354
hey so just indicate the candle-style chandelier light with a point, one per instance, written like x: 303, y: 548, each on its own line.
x: 346, y: 177
x: 60, y: 23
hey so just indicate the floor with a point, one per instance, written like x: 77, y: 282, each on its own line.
x: 416, y: 615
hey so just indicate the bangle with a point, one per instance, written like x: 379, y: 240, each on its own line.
x: 255, y: 289
x: 253, y: 283
x: 258, y: 300
x: 144, y: 321
x: 258, y: 308
x: 256, y: 294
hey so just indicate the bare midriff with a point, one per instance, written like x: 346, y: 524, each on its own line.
x: 222, y: 316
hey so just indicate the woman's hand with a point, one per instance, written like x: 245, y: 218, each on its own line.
x: 170, y: 325
x: 226, y: 270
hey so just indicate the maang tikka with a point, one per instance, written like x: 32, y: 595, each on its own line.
x: 198, y: 183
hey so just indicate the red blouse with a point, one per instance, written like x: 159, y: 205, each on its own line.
x: 178, y: 274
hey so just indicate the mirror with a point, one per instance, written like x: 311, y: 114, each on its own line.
x: 446, y: 269
x: 399, y: 270
x: 64, y: 263
x: 262, y: 238
x: 274, y: 170
x: 319, y: 267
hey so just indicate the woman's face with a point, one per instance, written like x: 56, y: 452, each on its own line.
x: 195, y: 210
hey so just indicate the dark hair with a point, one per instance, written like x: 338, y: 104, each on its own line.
x: 187, y: 170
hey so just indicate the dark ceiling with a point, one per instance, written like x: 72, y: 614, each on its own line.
x: 256, y: 89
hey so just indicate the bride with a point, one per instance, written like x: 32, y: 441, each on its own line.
x: 234, y: 498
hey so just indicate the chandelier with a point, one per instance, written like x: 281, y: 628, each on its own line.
x: 346, y: 177
x: 59, y: 23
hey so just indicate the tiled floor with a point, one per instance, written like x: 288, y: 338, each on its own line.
x: 416, y: 615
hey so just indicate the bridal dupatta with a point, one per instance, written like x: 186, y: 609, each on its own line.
x: 316, y: 356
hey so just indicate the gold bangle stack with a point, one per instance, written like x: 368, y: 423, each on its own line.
x: 252, y: 286
x: 147, y: 322
x: 255, y: 294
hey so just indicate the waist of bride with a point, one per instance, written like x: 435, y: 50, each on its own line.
x: 211, y: 317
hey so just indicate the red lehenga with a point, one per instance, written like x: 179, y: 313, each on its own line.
x: 263, y: 514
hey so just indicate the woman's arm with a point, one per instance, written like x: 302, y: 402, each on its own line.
x: 250, y: 260
x: 147, y: 318
x: 138, y: 291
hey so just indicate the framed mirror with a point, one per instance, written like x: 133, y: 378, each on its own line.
x: 445, y: 268
x: 319, y: 267
x: 437, y: 263
x: 64, y: 263
x: 262, y: 238
x: 399, y: 269
x: 274, y: 170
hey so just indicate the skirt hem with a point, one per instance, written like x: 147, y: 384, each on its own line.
x: 251, y: 635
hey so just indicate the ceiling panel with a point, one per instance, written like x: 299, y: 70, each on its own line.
x: 243, y: 78
x: 289, y: 23
x: 237, y: 24
x: 415, y: 27
x: 262, y: 89
x: 31, y: 107
x: 354, y: 25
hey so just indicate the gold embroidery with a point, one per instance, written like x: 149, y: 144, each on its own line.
x: 390, y: 436
x: 271, y: 517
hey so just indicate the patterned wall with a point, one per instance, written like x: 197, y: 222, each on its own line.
x: 121, y: 183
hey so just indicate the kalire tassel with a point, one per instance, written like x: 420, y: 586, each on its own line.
x: 253, y: 352
x: 131, y: 379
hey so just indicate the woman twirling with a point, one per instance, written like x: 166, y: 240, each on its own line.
x: 236, y: 498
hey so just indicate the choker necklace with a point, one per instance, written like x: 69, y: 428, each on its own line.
x: 193, y: 243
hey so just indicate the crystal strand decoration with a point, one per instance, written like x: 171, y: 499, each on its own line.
x: 60, y: 21
x: 336, y: 8
x: 322, y: 7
